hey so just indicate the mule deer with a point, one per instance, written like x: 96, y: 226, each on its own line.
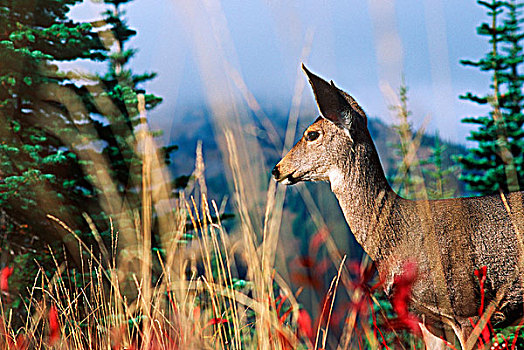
x: 448, y: 239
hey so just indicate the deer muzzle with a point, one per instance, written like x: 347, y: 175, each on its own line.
x: 286, y: 179
x: 275, y: 172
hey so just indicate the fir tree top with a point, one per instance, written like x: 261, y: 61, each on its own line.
x: 496, y: 164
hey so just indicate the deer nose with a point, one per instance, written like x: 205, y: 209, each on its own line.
x: 275, y: 172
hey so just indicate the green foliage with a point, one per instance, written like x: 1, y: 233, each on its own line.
x: 117, y: 125
x: 437, y: 177
x: 497, y: 161
x: 47, y: 115
x: 414, y: 177
x: 34, y: 158
x: 54, y: 125
x: 407, y: 180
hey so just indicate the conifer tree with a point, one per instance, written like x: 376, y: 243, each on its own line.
x: 407, y: 180
x: 496, y: 163
x: 435, y: 175
x: 39, y: 173
x: 56, y: 123
x: 118, y: 129
x: 122, y: 86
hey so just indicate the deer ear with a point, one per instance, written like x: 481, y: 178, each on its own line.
x: 334, y: 104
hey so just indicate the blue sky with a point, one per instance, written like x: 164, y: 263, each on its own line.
x: 365, y: 46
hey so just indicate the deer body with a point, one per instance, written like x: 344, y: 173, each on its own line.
x: 447, y: 239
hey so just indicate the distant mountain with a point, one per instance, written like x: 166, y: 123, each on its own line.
x: 197, y: 125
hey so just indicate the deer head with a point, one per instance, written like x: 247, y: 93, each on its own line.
x: 325, y: 149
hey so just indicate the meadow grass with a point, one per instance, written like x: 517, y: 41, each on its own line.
x: 202, y: 287
x: 189, y: 293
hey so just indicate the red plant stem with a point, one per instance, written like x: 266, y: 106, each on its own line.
x: 282, y: 301
x: 481, y: 274
x: 514, y: 343
x: 286, y: 314
x: 448, y: 344
x: 480, y: 343
x: 376, y: 326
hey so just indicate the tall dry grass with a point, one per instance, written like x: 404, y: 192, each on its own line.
x: 186, y: 294
x: 190, y: 293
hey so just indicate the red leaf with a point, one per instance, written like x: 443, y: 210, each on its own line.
x: 317, y: 240
x: 302, y: 279
x: 481, y: 275
x: 54, y: 326
x: 306, y: 261
x: 305, y: 325
x: 21, y: 342
x: 401, y: 298
x: 322, y: 266
x: 216, y: 320
x: 196, y: 313
x: 4, y: 278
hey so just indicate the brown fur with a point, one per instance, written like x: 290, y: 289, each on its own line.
x: 448, y: 239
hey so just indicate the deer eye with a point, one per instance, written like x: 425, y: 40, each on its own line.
x: 312, y: 135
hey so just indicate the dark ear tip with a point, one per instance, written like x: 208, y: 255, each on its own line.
x: 304, y: 68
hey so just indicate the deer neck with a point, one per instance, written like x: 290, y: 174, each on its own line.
x: 366, y: 199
